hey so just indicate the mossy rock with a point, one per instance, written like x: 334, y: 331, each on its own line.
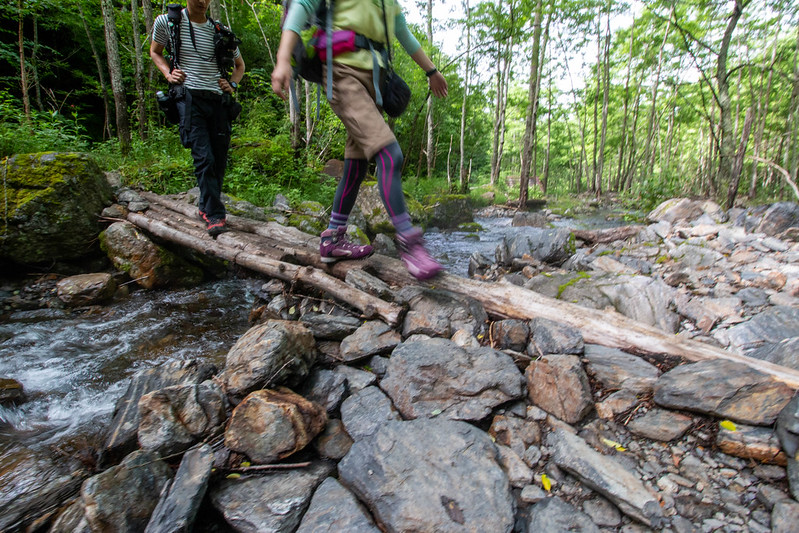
x: 51, y: 205
x: 448, y: 210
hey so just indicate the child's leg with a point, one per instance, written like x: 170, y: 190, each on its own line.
x: 347, y: 192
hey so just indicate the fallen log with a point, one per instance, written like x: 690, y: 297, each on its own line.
x: 599, y: 236
x: 606, y: 328
x: 502, y: 300
x: 227, y: 247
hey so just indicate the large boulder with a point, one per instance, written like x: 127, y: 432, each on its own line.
x: 151, y: 265
x: 449, y: 210
x: 52, y: 203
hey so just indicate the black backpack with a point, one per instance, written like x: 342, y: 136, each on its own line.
x: 225, y: 41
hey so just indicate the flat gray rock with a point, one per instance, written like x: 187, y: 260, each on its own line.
x: 334, y: 509
x: 430, y: 475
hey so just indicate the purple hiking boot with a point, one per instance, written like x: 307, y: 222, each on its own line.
x: 417, y: 259
x: 335, y: 245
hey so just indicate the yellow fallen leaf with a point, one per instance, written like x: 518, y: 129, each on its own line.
x: 245, y: 464
x: 546, y: 483
x: 233, y: 476
x: 614, y: 444
x: 729, y: 425
x: 435, y: 412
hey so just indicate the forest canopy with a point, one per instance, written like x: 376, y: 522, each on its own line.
x: 648, y: 99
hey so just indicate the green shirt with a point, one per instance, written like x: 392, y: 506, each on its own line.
x: 362, y: 16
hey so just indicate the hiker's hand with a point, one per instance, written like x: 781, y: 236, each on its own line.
x: 176, y: 77
x: 281, y: 78
x: 225, y: 86
x: 438, y: 85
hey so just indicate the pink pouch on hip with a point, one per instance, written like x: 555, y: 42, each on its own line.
x: 343, y: 41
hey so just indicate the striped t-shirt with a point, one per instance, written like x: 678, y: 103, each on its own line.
x: 202, y: 71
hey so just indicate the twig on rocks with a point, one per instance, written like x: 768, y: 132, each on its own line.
x: 266, y: 468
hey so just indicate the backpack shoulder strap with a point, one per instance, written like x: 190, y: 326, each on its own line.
x: 174, y: 14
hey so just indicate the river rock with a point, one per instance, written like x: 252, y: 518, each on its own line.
x: 46, y: 483
x: 785, y: 516
x: 554, y: 514
x: 181, y: 497
x: 120, y: 438
x: 516, y: 433
x: 151, y: 265
x: 436, y: 377
x: 684, y: 209
x: 86, y: 289
x: 606, y: 476
x: 11, y: 391
x: 660, y: 424
x: 519, y: 474
x: 332, y: 327
x: 548, y: 336
x: 71, y: 519
x: 334, y: 442
x: 269, y: 425
x: 356, y: 378
x: 52, y: 205
x: 174, y: 418
x: 615, y: 369
x: 398, y: 474
x: 771, y: 328
x: 122, y: 498
x: 372, y: 338
x: 778, y: 218
x: 510, y: 334
x: 334, y: 509
x: 750, y: 442
x: 326, y: 388
x: 558, y: 384
x: 446, y: 211
x: 440, y: 313
x: 533, y: 219
x: 272, y: 353
x: 553, y: 246
x: 724, y: 389
x: 365, y: 411
x: 273, y: 503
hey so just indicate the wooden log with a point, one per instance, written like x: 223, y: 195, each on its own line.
x: 607, y: 328
x: 621, y: 233
x: 225, y: 247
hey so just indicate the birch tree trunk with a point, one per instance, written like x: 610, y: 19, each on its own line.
x: 115, y: 70
x: 464, y: 182
x: 651, y: 129
x: 532, y: 109
x: 625, y: 113
x: 605, y: 103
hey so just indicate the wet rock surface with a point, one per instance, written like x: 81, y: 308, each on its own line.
x: 454, y: 420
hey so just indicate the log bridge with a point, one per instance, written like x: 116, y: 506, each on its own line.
x: 291, y: 255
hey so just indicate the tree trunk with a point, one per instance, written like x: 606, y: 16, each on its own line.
x: 791, y: 153
x: 464, y: 183
x: 727, y: 141
x: 532, y: 109
x: 115, y: 70
x: 138, y: 74
x: 651, y: 127
x: 100, y: 73
x: 429, y: 119
x: 37, y: 88
x: 23, y: 69
x: 735, y: 178
x: 605, y: 103
x: 763, y: 101
x: 625, y: 113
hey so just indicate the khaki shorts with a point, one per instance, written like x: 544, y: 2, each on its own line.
x: 354, y: 103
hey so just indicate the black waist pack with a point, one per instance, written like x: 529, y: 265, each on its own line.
x: 396, y: 94
x: 168, y: 102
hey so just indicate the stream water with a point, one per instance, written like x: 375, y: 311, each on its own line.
x: 74, y: 366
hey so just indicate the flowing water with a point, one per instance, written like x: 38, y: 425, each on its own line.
x: 74, y: 366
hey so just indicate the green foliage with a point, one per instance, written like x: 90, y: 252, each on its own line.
x: 44, y: 132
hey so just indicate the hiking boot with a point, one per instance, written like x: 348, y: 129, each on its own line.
x: 335, y: 245
x: 202, y: 216
x: 417, y: 259
x: 216, y: 226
